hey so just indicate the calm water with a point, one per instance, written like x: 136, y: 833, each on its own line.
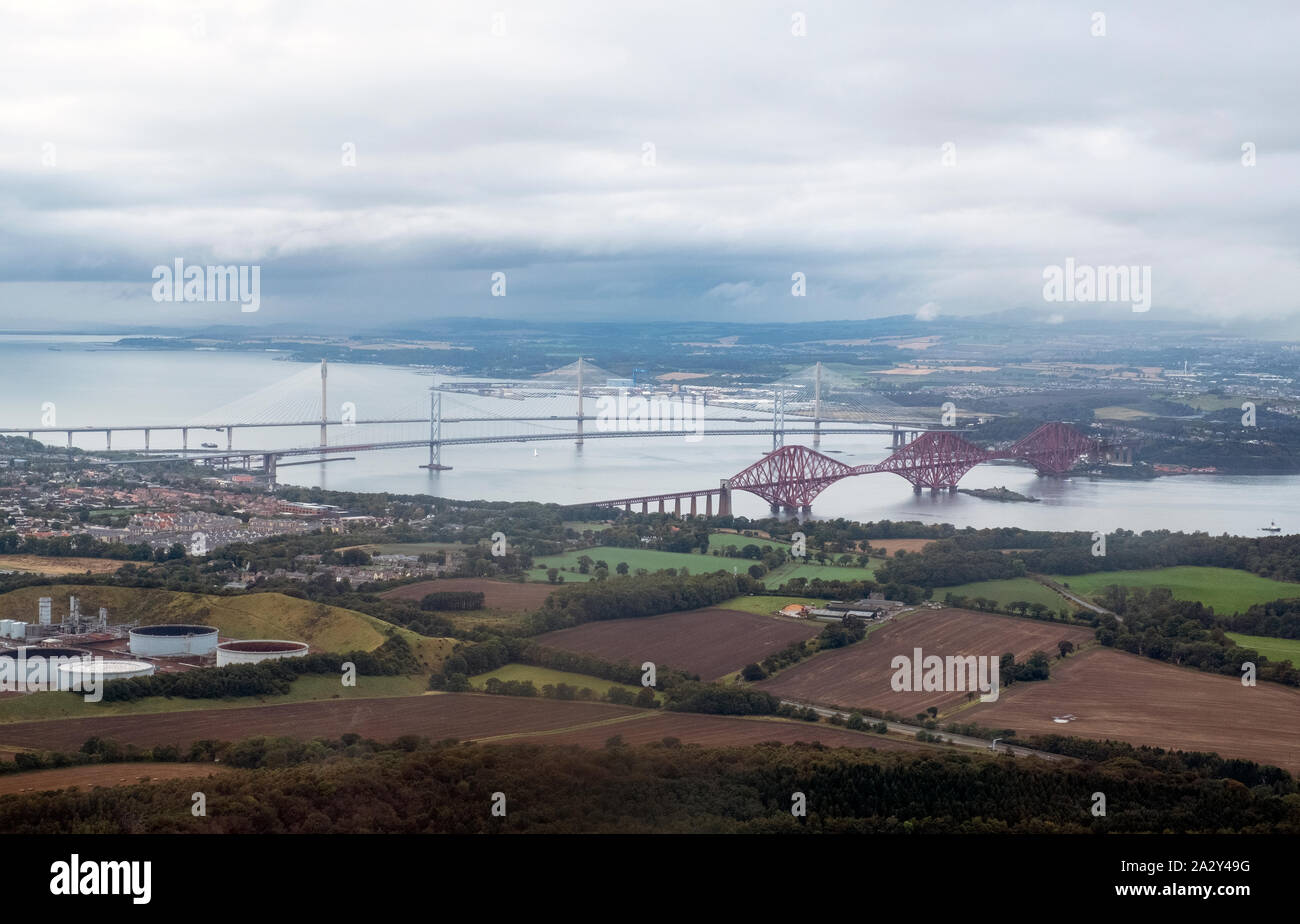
x: 92, y: 383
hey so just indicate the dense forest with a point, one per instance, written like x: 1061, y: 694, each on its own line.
x: 415, y: 786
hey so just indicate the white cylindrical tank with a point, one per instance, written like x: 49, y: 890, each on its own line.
x: 173, y: 641
x: 18, y: 630
x: 255, y: 650
x: 82, y: 674
x: 32, y: 668
x: 6, y: 626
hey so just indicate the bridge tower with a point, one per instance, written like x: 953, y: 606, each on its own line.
x: 579, y: 440
x: 324, y: 406
x: 435, y: 431
x: 778, y: 419
x: 817, y: 406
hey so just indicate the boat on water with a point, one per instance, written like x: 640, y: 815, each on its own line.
x: 208, y: 445
x: 1272, y: 527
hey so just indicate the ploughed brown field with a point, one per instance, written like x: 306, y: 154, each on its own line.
x: 719, y: 731
x: 711, y: 642
x: 497, y: 595
x: 1123, y: 696
x: 450, y: 715
x: 860, y: 675
x: 125, y: 774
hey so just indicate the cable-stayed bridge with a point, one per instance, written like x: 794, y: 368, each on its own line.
x: 296, y: 419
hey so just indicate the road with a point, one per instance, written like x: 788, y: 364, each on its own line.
x: 1073, y: 597
x: 947, y: 737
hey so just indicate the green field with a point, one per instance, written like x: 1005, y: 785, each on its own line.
x: 581, y: 526
x: 1225, y: 589
x: 1006, y: 592
x: 718, y: 540
x: 650, y: 559
x: 262, y: 615
x: 33, y: 707
x: 540, y: 676
x: 1275, y: 649
x: 791, y: 570
x: 764, y: 606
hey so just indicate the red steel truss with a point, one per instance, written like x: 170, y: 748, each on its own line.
x: 932, y: 460
x: 1054, y: 448
x: 793, y: 476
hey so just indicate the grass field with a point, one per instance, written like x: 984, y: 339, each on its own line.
x: 581, y: 526
x: 792, y: 570
x: 763, y: 606
x: 1225, y: 589
x: 1008, y: 591
x: 1275, y: 649
x: 46, y: 564
x: 35, y: 707
x: 719, y: 540
x: 328, y: 628
x: 1119, y: 413
x: 650, y: 559
x: 540, y: 676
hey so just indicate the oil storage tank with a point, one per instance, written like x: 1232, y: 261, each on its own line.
x: 255, y: 650
x: 74, y: 675
x: 173, y: 641
x: 32, y: 668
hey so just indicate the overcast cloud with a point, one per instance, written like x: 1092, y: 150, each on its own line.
x: 135, y: 133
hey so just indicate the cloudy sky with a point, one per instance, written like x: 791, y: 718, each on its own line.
x: 641, y: 160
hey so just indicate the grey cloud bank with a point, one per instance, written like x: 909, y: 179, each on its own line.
x: 135, y: 136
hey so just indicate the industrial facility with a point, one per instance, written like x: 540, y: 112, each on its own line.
x: 255, y: 650
x: 65, y: 655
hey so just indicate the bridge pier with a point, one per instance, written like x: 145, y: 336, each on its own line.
x: 627, y: 508
x: 708, y: 505
x: 677, y: 507
x: 661, y: 505
x: 916, y: 489
x: 146, y: 439
x: 645, y: 506
x: 230, y: 438
x: 693, y: 513
x: 185, y: 438
x: 108, y: 440
x: 724, y: 499
x: 268, y: 465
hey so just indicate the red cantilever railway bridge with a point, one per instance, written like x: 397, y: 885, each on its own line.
x: 792, y: 476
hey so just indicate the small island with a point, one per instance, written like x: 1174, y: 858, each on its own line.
x: 998, y: 494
